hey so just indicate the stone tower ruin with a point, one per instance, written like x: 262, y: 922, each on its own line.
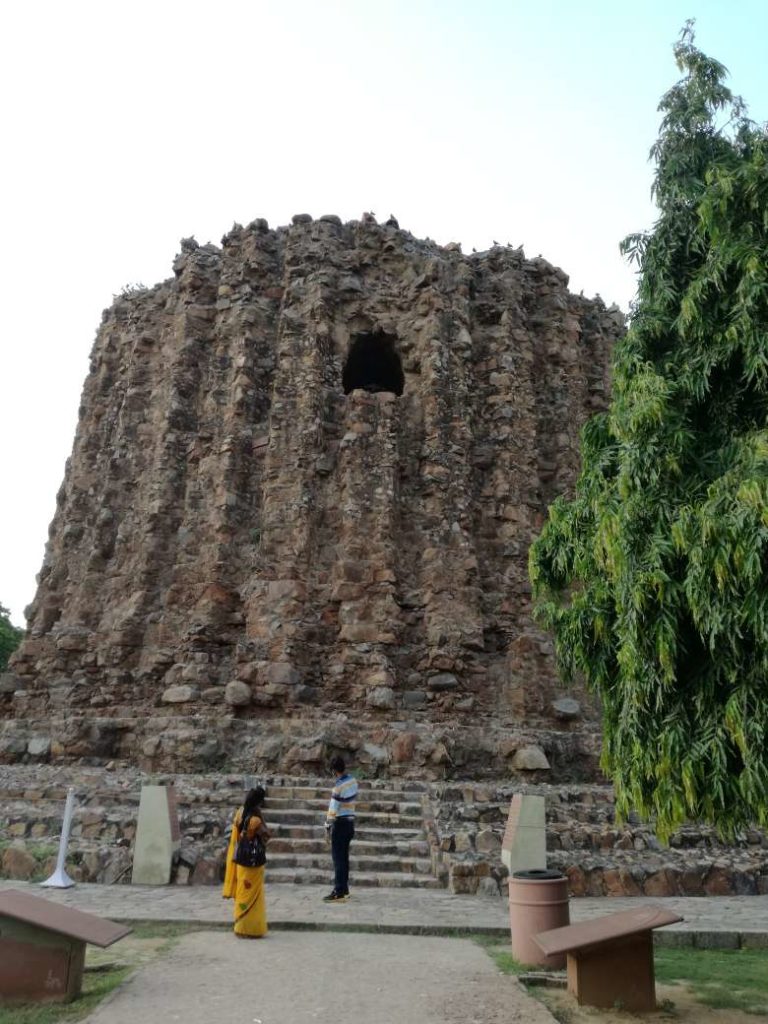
x: 297, y: 514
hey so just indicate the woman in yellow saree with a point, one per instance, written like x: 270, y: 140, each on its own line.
x: 246, y: 885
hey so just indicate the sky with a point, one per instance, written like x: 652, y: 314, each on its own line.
x: 126, y: 126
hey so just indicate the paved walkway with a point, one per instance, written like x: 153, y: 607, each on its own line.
x: 725, y: 921
x: 313, y: 977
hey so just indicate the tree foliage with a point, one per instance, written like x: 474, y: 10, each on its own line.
x: 654, y: 579
x: 10, y: 637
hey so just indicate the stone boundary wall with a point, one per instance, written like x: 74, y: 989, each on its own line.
x: 464, y: 824
x: 414, y: 747
x: 599, y: 857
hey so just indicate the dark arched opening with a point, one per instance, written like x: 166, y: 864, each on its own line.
x: 373, y: 364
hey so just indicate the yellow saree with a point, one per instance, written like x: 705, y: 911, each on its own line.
x: 245, y: 886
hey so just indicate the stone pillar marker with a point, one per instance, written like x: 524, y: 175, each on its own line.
x: 524, y: 846
x: 157, y: 836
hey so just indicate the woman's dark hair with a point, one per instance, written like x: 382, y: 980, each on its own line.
x: 253, y: 801
x: 337, y: 764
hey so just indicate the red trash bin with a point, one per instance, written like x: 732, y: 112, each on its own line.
x: 538, y: 901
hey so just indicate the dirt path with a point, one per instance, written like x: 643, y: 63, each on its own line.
x: 296, y: 977
x: 682, y: 1008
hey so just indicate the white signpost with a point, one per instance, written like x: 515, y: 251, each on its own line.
x: 60, y: 879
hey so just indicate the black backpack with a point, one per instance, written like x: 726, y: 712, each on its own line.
x: 249, y: 853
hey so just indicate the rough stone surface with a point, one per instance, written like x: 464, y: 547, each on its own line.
x: 313, y: 461
x: 382, y: 697
x: 39, y: 747
x: 530, y: 759
x: 17, y: 862
x: 237, y: 694
x: 9, y: 682
x: 180, y: 694
x: 566, y: 708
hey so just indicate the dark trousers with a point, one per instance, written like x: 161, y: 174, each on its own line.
x: 342, y: 833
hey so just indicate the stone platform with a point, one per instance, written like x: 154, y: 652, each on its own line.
x: 727, y: 922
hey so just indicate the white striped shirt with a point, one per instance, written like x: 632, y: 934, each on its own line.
x: 343, y: 796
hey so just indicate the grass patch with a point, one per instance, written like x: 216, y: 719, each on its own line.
x: 108, y: 969
x: 733, y: 979
x: 43, y: 853
x: 95, y: 988
x: 170, y: 930
x: 723, y: 979
x: 500, y: 954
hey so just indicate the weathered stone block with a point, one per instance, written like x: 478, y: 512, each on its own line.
x: 207, y: 871
x: 381, y: 697
x: 9, y: 682
x: 530, y: 759
x: 414, y: 698
x: 39, y: 746
x: 566, y: 708
x: 443, y: 681
x: 281, y: 673
x: 403, y: 748
x: 237, y: 694
x: 371, y: 753
x: 18, y: 863
x: 489, y: 888
x: 180, y: 694
x: 486, y: 841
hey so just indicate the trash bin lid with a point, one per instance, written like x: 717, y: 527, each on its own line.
x: 539, y: 875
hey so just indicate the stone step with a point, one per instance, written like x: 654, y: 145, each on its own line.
x: 299, y: 816
x: 112, y: 827
x: 44, y: 818
x: 224, y: 803
x: 383, y: 846
x: 18, y: 820
x: 362, y: 832
x: 193, y: 794
x: 362, y: 806
x: 378, y: 863
x: 50, y: 810
x: 365, y: 792
x: 388, y: 879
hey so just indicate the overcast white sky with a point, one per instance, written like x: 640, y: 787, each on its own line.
x: 126, y: 126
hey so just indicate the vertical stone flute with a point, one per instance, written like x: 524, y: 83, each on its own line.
x: 60, y: 879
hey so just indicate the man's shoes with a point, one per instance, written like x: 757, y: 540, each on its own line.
x: 336, y: 897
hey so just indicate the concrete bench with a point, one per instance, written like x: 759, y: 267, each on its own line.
x: 42, y: 947
x: 610, y: 959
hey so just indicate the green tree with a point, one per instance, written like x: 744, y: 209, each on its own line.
x: 10, y: 637
x: 654, y: 579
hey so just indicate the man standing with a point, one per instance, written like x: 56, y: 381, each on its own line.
x: 340, y: 828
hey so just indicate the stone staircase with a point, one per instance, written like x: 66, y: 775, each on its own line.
x: 391, y: 846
